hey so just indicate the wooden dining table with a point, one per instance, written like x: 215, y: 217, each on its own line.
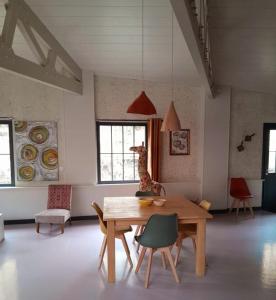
x: 124, y: 211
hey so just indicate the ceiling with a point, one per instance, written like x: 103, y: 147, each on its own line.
x: 105, y: 36
x: 243, y: 39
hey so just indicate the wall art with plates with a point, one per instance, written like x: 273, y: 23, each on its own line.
x: 36, y: 150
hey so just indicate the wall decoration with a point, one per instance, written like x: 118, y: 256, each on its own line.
x: 247, y: 138
x: 180, y: 142
x: 36, y: 150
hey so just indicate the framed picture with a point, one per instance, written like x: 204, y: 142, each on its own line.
x: 180, y: 142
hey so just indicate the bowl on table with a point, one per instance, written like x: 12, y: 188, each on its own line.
x: 159, y: 202
x: 145, y: 202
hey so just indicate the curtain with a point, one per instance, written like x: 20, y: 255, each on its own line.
x: 154, y: 148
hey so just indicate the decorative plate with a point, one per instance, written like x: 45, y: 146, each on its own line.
x: 29, y: 152
x: 39, y: 134
x: 49, y: 158
x: 26, y: 173
x: 20, y: 126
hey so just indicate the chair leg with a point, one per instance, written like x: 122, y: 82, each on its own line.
x: 140, y: 260
x: 37, y: 227
x: 126, y: 249
x: 163, y: 260
x: 62, y: 228
x: 148, y: 269
x: 179, y: 246
x: 142, y: 227
x: 232, y: 206
x: 70, y: 221
x: 170, y: 259
x: 136, y: 233
x: 103, y: 248
x: 250, y: 208
x: 238, y: 208
x: 194, y: 243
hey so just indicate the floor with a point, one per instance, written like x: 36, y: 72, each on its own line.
x: 241, y: 256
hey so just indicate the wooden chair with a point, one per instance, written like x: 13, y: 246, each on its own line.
x: 58, y: 207
x: 119, y: 234
x: 240, y: 193
x: 160, y: 234
x: 188, y: 231
x: 140, y: 228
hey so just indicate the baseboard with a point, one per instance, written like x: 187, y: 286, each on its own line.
x: 225, y: 211
x: 30, y: 221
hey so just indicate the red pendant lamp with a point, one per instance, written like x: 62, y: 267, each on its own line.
x: 142, y: 104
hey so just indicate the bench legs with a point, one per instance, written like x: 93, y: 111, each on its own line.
x: 37, y: 225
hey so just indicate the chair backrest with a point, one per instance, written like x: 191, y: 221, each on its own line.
x: 99, y: 212
x: 59, y: 196
x: 205, y: 204
x: 160, y: 231
x: 239, y: 188
x: 141, y: 194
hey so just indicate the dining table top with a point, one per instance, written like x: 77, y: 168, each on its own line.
x: 125, y: 208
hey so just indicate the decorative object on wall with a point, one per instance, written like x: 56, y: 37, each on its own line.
x: 36, y: 151
x: 247, y: 138
x: 146, y: 183
x: 142, y: 104
x: 180, y: 142
x: 240, y: 147
x: 171, y: 121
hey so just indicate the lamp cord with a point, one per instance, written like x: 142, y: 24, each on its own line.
x: 172, y: 61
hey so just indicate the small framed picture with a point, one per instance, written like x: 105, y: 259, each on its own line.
x: 180, y: 142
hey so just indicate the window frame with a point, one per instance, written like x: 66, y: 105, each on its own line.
x: 118, y: 123
x: 10, y: 124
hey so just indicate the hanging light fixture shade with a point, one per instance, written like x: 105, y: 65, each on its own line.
x: 171, y: 121
x: 142, y: 105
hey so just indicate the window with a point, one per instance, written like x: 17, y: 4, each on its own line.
x: 6, y: 154
x: 116, y: 163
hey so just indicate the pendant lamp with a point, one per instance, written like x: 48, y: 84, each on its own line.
x: 171, y: 121
x: 142, y: 104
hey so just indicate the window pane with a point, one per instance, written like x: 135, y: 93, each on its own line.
x: 136, y: 167
x: 118, y: 167
x: 4, y: 139
x: 105, y: 139
x: 128, y: 167
x: 271, y: 162
x: 117, y: 145
x: 272, y: 140
x: 106, y: 173
x: 140, y: 135
x: 128, y: 138
x: 5, y: 169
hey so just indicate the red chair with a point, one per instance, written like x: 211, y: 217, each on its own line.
x: 240, y: 192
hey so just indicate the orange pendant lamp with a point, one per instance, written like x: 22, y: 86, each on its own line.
x: 142, y: 105
x: 171, y: 121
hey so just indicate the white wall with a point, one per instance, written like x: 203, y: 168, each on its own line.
x: 216, y: 148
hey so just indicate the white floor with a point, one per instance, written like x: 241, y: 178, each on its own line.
x: 49, y: 266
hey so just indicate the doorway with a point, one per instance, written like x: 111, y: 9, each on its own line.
x: 269, y: 167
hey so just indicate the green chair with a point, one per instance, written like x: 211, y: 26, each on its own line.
x: 140, y: 228
x: 160, y: 234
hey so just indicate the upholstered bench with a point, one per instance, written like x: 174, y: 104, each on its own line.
x: 1, y: 227
x: 52, y: 216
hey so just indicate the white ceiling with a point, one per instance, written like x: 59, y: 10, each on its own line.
x: 105, y: 36
x: 243, y: 39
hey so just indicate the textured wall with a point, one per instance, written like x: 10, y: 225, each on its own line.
x: 113, y: 95
x: 249, y: 110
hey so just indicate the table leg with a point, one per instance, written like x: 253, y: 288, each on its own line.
x: 200, y: 248
x: 111, y: 251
